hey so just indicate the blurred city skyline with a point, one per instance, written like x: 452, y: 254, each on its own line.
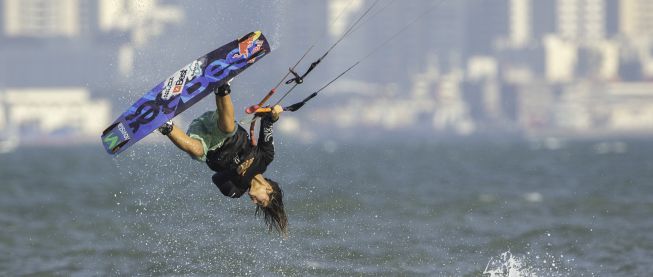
x: 527, y: 67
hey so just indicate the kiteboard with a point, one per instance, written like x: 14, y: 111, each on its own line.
x: 183, y: 89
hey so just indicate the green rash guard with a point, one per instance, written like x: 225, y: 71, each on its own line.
x: 205, y: 129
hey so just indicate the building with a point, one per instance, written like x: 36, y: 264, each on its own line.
x: 451, y: 111
x: 8, y: 134
x: 581, y: 21
x: 521, y: 29
x: 636, y: 25
x: 45, y: 114
x: 631, y: 107
x: 561, y: 59
x: 45, y: 19
x: 341, y: 14
x: 75, y: 42
x: 142, y: 20
x: 636, y: 20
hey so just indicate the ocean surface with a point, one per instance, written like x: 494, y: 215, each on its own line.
x: 440, y: 208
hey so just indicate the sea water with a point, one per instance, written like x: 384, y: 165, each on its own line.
x: 441, y: 208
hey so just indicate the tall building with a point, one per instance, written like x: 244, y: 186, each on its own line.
x: 142, y: 19
x: 636, y: 20
x: 581, y: 21
x: 529, y: 21
x: 44, y: 18
x: 521, y: 28
x: 341, y: 14
x: 76, y: 42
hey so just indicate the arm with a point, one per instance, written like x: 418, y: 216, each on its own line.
x: 265, y: 140
x: 189, y: 145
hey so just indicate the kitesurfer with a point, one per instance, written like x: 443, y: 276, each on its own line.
x: 218, y: 140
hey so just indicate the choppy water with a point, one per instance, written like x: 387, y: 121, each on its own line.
x: 469, y: 208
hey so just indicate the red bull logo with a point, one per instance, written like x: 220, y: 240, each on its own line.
x: 244, y: 46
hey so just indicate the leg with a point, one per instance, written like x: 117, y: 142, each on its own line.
x: 226, y: 121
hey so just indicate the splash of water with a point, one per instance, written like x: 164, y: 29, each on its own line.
x: 508, y: 266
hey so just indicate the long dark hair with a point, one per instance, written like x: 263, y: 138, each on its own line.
x: 274, y: 215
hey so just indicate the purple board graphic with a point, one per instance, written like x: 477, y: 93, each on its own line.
x: 183, y: 89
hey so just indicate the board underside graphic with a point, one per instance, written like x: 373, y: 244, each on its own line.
x: 183, y: 89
